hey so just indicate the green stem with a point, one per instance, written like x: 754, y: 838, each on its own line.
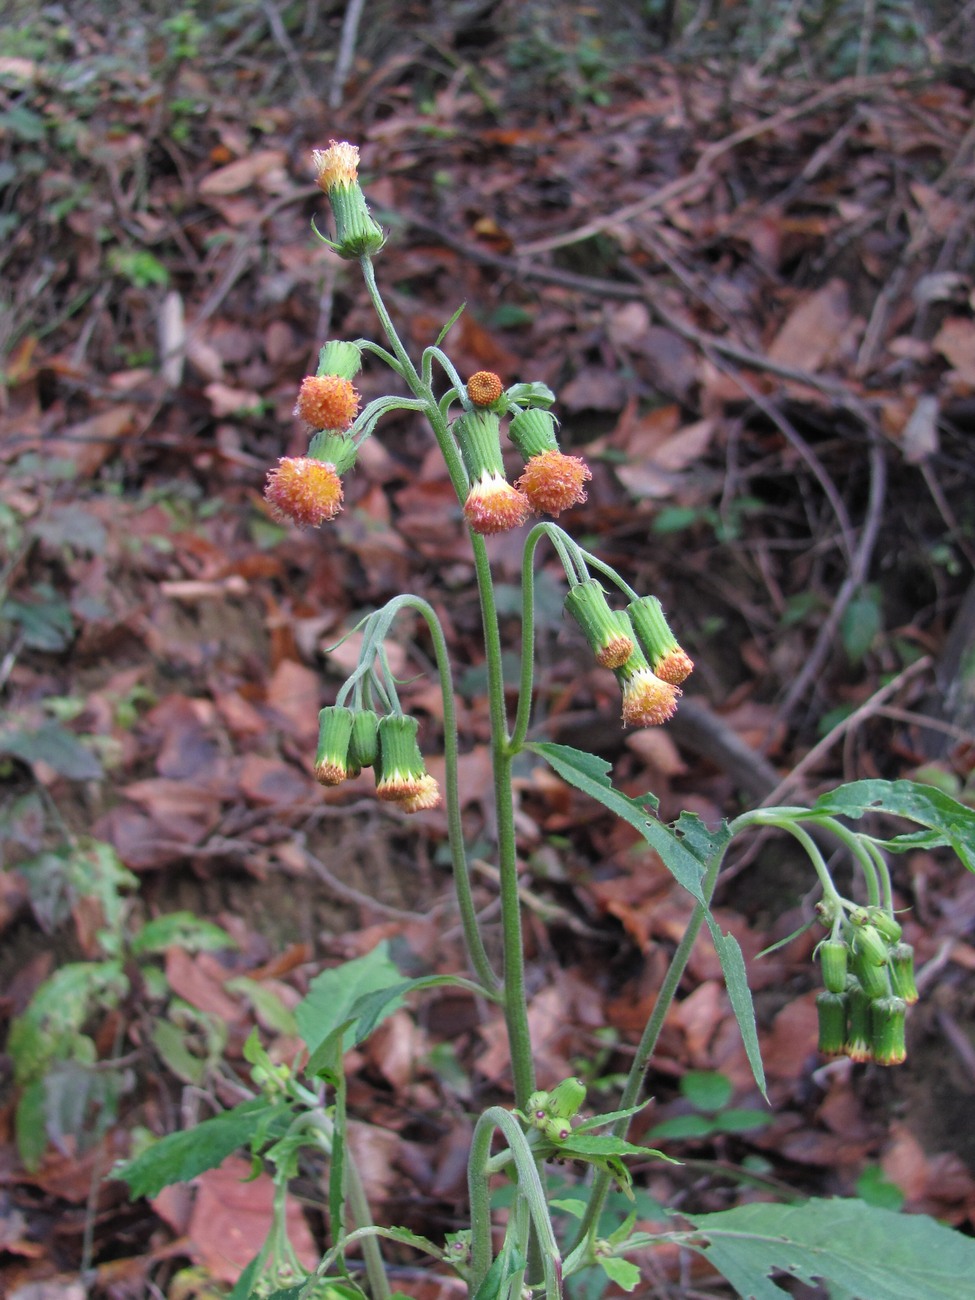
x: 645, y: 1048
x: 515, y: 1007
x: 372, y: 1256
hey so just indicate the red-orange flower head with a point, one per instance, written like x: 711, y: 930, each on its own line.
x: 675, y: 667
x: 306, y: 491
x: 552, y: 482
x: 327, y: 402
x: 494, y: 506
x: 648, y: 701
x: 484, y: 388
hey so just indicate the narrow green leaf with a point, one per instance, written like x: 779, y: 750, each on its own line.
x: 924, y: 804
x: 858, y: 1251
x: 740, y: 996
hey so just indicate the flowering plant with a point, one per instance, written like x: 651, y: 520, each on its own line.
x: 867, y: 967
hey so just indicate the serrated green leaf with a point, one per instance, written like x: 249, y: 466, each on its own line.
x: 588, y: 774
x: 331, y: 996
x: 924, y: 804
x: 858, y: 1251
x: 181, y: 1156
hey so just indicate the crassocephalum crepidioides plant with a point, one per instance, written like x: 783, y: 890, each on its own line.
x: 867, y: 967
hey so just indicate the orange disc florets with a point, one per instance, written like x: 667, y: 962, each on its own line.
x: 303, y: 490
x: 615, y: 652
x: 327, y: 402
x: 336, y: 165
x: 647, y: 700
x: 484, y: 388
x: 553, y: 482
x: 427, y: 796
x: 675, y: 667
x: 494, y: 506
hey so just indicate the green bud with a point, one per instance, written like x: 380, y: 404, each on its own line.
x: 870, y: 944
x: 831, y: 1009
x: 885, y: 922
x: 858, y: 1039
x: 534, y: 394
x: 399, y: 766
x: 901, y: 966
x: 339, y: 358
x: 556, y: 1130
x: 478, y: 435
x: 873, y: 979
x: 608, y: 632
x: 332, y: 755
x: 833, y: 955
x: 364, y: 741
x: 334, y: 449
x: 538, y: 1106
x: 532, y: 432
x: 887, y: 1017
x: 566, y: 1098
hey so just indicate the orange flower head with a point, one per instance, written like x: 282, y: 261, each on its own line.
x: 552, y: 482
x: 675, y: 667
x: 615, y: 652
x: 426, y: 796
x: 484, y: 388
x: 494, y: 506
x: 306, y: 491
x: 648, y: 701
x: 336, y: 165
x: 327, y: 402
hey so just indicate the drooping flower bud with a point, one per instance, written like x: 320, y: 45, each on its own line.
x: 332, y: 757
x: 607, y: 631
x: 887, y: 1017
x: 492, y: 505
x: 484, y: 388
x: 667, y: 658
x: 303, y: 489
x: 337, y: 174
x: 340, y: 358
x: 900, y: 963
x: 885, y: 922
x: 327, y: 402
x: 833, y: 958
x: 648, y: 701
x: 858, y: 1041
x: 533, y: 432
x: 831, y: 1008
x: 364, y: 741
x: 400, y: 769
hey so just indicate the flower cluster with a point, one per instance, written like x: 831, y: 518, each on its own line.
x: 638, y: 645
x: 307, y: 490
x: 551, y: 481
x: 349, y: 740
x: 868, y: 973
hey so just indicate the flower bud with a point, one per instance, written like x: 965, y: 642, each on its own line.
x: 538, y: 1105
x: 533, y: 432
x: 833, y: 954
x: 332, y: 756
x: 885, y: 922
x: 566, y: 1098
x: 858, y: 1040
x: 484, y: 388
x: 607, y: 632
x: 556, y: 1130
x: 337, y: 174
x: 399, y: 766
x: 900, y: 963
x: 831, y: 1008
x: 658, y: 642
x: 869, y: 944
x: 364, y: 740
x: 492, y: 505
x: 873, y: 978
x: 340, y: 358
x: 887, y: 1017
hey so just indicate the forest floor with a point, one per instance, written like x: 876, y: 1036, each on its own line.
x: 754, y: 296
